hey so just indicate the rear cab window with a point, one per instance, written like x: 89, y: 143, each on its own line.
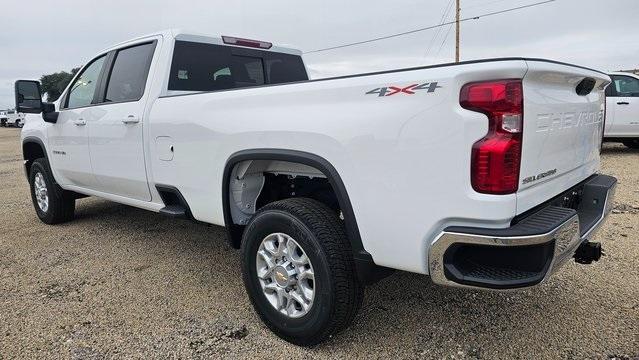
x: 210, y: 67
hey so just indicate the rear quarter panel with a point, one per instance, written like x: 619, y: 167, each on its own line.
x: 404, y: 159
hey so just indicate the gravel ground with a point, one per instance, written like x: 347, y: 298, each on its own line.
x: 121, y: 282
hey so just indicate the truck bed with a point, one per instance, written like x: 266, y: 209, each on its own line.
x: 409, y: 151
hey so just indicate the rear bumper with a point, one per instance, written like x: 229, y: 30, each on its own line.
x: 529, y: 251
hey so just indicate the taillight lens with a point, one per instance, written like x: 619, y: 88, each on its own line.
x: 496, y: 158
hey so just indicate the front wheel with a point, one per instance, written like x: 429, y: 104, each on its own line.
x: 19, y: 123
x: 299, y: 272
x: 52, y: 204
x: 632, y: 143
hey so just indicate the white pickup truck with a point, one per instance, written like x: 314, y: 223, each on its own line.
x: 11, y: 117
x: 622, y: 110
x: 482, y: 174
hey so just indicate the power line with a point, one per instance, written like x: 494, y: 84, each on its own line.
x: 444, y: 42
x: 428, y: 27
x: 439, y: 29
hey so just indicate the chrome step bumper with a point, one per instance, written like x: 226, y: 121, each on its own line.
x: 529, y: 251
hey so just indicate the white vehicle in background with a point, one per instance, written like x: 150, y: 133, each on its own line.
x: 622, y: 109
x: 15, y: 118
x: 11, y: 117
x: 482, y: 174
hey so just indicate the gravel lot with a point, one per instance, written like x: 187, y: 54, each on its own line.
x: 121, y: 282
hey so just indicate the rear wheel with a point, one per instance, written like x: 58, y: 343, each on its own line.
x: 52, y: 204
x: 299, y: 272
x: 632, y: 143
x: 3, y: 123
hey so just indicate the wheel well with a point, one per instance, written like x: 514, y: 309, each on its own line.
x: 313, y: 173
x: 32, y: 150
x: 256, y: 183
x: 284, y: 186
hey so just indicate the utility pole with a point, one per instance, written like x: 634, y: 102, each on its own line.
x: 457, y: 11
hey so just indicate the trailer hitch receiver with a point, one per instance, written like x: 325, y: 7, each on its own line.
x: 588, y: 252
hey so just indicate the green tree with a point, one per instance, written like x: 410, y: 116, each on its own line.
x: 54, y: 84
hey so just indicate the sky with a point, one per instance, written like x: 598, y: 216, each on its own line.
x: 48, y: 38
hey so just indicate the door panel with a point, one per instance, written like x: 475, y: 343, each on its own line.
x: 69, y: 136
x: 116, y: 143
x: 623, y: 104
x: 117, y: 151
x: 626, y: 116
x: 69, y: 144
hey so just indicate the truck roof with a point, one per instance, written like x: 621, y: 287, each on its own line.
x: 180, y: 34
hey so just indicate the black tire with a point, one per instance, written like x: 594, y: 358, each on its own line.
x: 3, y: 123
x: 338, y: 292
x: 19, y: 124
x: 632, y: 143
x: 61, y: 203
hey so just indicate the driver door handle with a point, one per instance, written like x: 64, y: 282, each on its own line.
x: 623, y: 103
x: 131, y: 119
x: 80, y: 122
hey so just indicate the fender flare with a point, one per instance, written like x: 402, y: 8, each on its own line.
x: 363, y: 260
x: 32, y: 140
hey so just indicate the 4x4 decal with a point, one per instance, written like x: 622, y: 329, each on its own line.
x: 408, y: 90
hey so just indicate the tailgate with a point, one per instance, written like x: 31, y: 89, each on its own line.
x: 562, y: 129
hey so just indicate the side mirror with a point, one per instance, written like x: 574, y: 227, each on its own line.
x: 28, y: 97
x: 29, y: 100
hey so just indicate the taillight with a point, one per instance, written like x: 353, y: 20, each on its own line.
x: 496, y: 158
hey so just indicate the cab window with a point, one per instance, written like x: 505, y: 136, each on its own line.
x: 82, y: 90
x: 130, y: 70
x: 209, y: 67
x: 625, y: 86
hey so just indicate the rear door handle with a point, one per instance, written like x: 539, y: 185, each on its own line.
x: 131, y: 119
x: 623, y: 103
x: 80, y: 122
